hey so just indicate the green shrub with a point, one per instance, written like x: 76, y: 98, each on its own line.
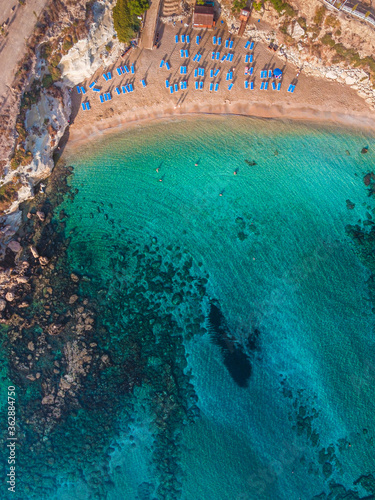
x: 238, y: 5
x: 283, y: 7
x: 125, y: 20
x: 47, y: 81
x: 67, y: 45
x: 55, y: 73
x: 319, y: 15
x: 257, y: 6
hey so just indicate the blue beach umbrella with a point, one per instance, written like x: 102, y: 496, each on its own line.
x: 277, y: 73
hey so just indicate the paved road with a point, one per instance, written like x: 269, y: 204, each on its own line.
x: 148, y: 32
x: 21, y: 24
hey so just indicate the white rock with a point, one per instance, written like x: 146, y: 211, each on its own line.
x: 349, y: 80
x: 332, y: 75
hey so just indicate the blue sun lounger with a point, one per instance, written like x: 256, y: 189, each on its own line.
x: 292, y: 89
x: 182, y: 85
x: 251, y: 70
x: 175, y: 87
x: 105, y: 77
x: 266, y: 86
x: 247, y: 44
x: 171, y: 89
x: 127, y: 69
x: 83, y: 90
x: 183, y: 38
x: 96, y: 89
x: 201, y: 71
x: 216, y: 72
x: 273, y: 85
x: 219, y: 40
x: 176, y: 39
x: 186, y: 53
x: 195, y: 73
x: 216, y: 87
x: 168, y: 66
x: 270, y: 73
x: 101, y: 98
x: 251, y: 57
x: 223, y: 59
x: 131, y: 87
x: 109, y: 96
x: 88, y: 106
x: 211, y: 73
x: 144, y: 83
x: 92, y: 84
x: 78, y: 89
x: 246, y: 83
x: 200, y: 85
x: 251, y: 85
x: 105, y: 97
x: 251, y: 45
x: 226, y: 44
x: 231, y: 44
x: 214, y: 40
x: 123, y: 89
x: 122, y: 70
x: 217, y: 56
x: 195, y: 57
x: 227, y: 77
x: 118, y: 71
x: 109, y: 75
x: 230, y: 86
x: 246, y: 58
x: 132, y: 69
x: 127, y: 88
x: 211, y: 87
x: 279, y: 86
x: 166, y: 84
x: 117, y: 90
x: 83, y: 106
x: 197, y: 39
x: 187, y: 39
x: 228, y: 57
x: 196, y: 85
x: 262, y: 86
x: 161, y: 63
x: 182, y: 53
x: 213, y: 55
x: 181, y: 70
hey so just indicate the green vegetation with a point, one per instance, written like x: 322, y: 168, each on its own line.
x: 238, y: 5
x: 257, y: 6
x: 67, y: 45
x: 319, y: 15
x: 8, y: 192
x: 332, y: 21
x: 125, y: 14
x: 47, y: 81
x: 108, y: 47
x: 283, y: 7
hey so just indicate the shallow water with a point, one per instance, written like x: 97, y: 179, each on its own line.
x: 268, y: 247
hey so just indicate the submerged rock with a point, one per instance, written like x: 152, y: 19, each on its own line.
x: 364, y: 150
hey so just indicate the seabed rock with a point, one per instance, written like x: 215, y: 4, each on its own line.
x: 34, y: 251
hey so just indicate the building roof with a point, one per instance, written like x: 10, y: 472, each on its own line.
x: 203, y: 15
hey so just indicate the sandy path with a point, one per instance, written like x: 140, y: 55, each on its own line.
x: 148, y: 32
x: 313, y: 99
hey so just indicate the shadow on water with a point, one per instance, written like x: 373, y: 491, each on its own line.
x: 235, y: 360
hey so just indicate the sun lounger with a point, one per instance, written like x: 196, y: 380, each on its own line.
x: 213, y: 55
x: 166, y: 83
x: 246, y: 83
x: 228, y: 57
x: 217, y: 56
x: 211, y: 73
x: 182, y: 85
x: 168, y: 66
x: 223, y: 58
x: 265, y: 85
x: 130, y: 87
x: 290, y: 86
x: 186, y: 53
x: 279, y: 86
x: 251, y: 46
x: 83, y: 90
x: 118, y: 71
x: 200, y: 85
x: 123, y: 89
x: 182, y: 53
x: 231, y: 44
x: 161, y: 64
x: 273, y: 85
x: 214, y: 40
x: 109, y: 96
x: 262, y: 86
x: 197, y: 39
x: 219, y: 41
x: 109, y: 75
x: 270, y: 73
x: 101, y: 98
x: 211, y: 87
x: 292, y: 89
x: 251, y: 70
x: 143, y: 83
x: 216, y: 87
x: 246, y: 58
x: 171, y: 89
x: 246, y: 70
x: 117, y: 90
x: 231, y: 57
x: 183, y: 38
x: 195, y: 73
x: 132, y: 69
x: 96, y: 89
x: 251, y: 85
x: 216, y: 72
x: 127, y: 69
x: 176, y: 39
x: 195, y: 57
x: 78, y: 89
x: 127, y: 88
x: 187, y: 39
x: 202, y: 71
x: 83, y: 106
x: 230, y: 86
x: 181, y: 70
x: 88, y: 106
x: 251, y: 57
x: 122, y: 70
x: 105, y: 77
x: 196, y: 85
x: 227, y: 77
x: 105, y: 97
x: 247, y: 44
x: 92, y: 84
x: 226, y: 44
x: 175, y: 87
x: 199, y: 57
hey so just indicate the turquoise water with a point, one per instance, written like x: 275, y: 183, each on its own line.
x: 251, y: 216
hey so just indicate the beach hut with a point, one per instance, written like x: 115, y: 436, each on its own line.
x: 277, y: 73
x: 203, y: 16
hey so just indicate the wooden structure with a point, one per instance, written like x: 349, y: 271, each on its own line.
x: 203, y: 16
x: 244, y: 17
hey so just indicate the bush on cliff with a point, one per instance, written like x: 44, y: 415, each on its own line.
x: 125, y: 20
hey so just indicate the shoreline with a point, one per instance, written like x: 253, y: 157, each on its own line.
x: 304, y: 115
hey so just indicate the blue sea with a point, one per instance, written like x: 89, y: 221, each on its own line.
x: 229, y: 261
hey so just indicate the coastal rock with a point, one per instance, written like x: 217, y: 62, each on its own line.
x: 30, y: 377
x: 64, y: 384
x: 9, y: 296
x: 296, y: 31
x: 34, y: 251
x: 22, y: 279
x: 74, y: 278
x: 41, y: 215
x: 349, y: 80
x: 43, y: 261
x: 73, y: 299
x: 331, y: 75
x: 14, y: 246
x: 54, y: 329
x: 31, y: 346
x: 3, y: 304
x: 48, y: 400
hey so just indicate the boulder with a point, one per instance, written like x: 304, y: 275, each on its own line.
x: 34, y: 251
x: 41, y: 215
x: 73, y: 299
x: 31, y: 346
x: 43, y: 261
x: 48, y: 400
x: 331, y: 75
x: 9, y: 296
x: 64, y: 384
x: 74, y: 278
x: 349, y: 80
x: 14, y: 246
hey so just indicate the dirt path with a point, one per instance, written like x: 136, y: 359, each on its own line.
x: 148, y: 33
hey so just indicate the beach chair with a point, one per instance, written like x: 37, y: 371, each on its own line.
x: 83, y: 106
x: 246, y: 58
x: 96, y: 89
x: 227, y: 77
x: 251, y: 70
x: 216, y: 87
x: 83, y: 90
x: 109, y: 75
x: 223, y: 58
x: 122, y: 70
x: 166, y: 84
x: 265, y: 85
x: 118, y: 71
x: 290, y: 86
x: 195, y: 57
x: 130, y: 87
x: 247, y: 44
x: 213, y: 55
x: 196, y: 85
x: 127, y: 88
x: 132, y: 69
x: 270, y: 73
x: 195, y: 73
x: 105, y: 77
x: 273, y: 85
x: 117, y: 90
x: 161, y: 64
x: 78, y: 89
x: 127, y: 69
x: 183, y: 38
x: 101, y: 98
x: 182, y: 85
x: 246, y: 83
x: 200, y: 85
x: 168, y: 66
x: 219, y: 41
x: 251, y: 85
x: 88, y: 106
x: 202, y: 71
x: 105, y: 97
x: 186, y: 53
x: 182, y: 53
x: 226, y: 44
x: 109, y: 96
x: 123, y: 89
x: 251, y: 46
x: 216, y: 72
x: 181, y: 70
x: 217, y: 56
x: 292, y: 89
x: 214, y: 40
x: 211, y: 86
x: 246, y: 70
x: 231, y: 44
x: 279, y: 86
x: 143, y: 83
x: 251, y: 57
x: 187, y: 39
x: 199, y: 57
x: 211, y: 73
x: 197, y: 39
x: 262, y: 86
x: 176, y: 39
x: 230, y: 86
x: 231, y: 57
x: 231, y: 75
x: 171, y: 89
x: 228, y: 57
x: 175, y: 87
x: 92, y: 84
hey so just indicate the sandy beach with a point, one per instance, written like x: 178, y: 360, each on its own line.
x: 314, y: 99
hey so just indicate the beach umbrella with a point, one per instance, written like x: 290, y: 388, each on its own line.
x: 277, y: 73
